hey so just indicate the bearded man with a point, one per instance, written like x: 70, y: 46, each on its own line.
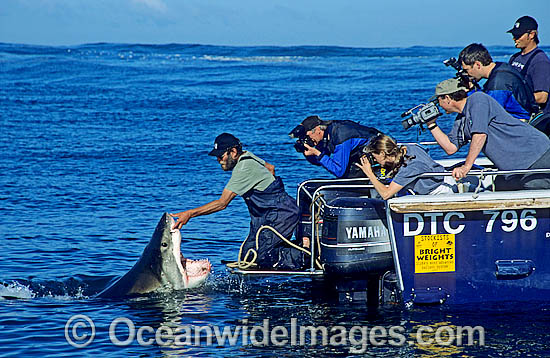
x: 268, y: 204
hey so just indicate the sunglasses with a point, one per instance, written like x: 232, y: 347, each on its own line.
x: 515, y: 37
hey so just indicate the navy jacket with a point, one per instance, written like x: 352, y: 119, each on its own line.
x: 507, y: 86
x: 341, y: 148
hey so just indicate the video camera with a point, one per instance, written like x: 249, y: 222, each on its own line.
x: 461, y: 74
x: 299, y: 133
x: 423, y: 114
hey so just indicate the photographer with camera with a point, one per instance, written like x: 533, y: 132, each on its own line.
x: 335, y: 145
x: 510, y: 144
x: 405, y: 164
x: 504, y: 83
x: 462, y: 75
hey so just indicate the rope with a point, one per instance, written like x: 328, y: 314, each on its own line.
x: 482, y: 175
x: 244, y: 263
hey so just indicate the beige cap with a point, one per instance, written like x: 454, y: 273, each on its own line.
x: 451, y: 85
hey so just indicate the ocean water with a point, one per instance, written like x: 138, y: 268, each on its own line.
x: 98, y: 141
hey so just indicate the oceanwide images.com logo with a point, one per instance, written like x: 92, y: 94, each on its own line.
x: 80, y: 332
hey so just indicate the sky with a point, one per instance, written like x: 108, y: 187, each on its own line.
x: 353, y: 23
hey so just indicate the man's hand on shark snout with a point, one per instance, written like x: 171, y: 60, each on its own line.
x: 182, y: 219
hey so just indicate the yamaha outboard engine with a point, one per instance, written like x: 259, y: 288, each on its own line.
x: 308, y: 188
x: 350, y: 232
x: 355, y: 246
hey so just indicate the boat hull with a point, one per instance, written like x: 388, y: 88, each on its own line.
x: 461, y: 249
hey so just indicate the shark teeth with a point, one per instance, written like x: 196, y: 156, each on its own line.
x: 183, y: 261
x: 198, y: 267
x: 195, y: 267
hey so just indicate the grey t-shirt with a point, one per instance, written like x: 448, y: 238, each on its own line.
x: 249, y: 173
x: 510, y: 144
x: 407, y: 176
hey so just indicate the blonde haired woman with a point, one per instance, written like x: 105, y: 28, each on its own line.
x: 404, y: 164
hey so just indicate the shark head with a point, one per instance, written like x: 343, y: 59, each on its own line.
x: 173, y: 269
x: 176, y: 271
x: 161, y: 266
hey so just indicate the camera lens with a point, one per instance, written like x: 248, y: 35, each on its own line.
x: 299, y: 146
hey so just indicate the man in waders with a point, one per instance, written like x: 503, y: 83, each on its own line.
x: 268, y: 204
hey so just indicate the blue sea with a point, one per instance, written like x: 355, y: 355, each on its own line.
x: 97, y: 141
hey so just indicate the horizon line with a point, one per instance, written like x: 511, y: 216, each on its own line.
x: 241, y: 46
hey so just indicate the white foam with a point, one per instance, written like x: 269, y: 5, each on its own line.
x: 15, y: 290
x: 270, y: 59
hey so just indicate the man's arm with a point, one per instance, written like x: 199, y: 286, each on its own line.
x: 312, y: 154
x: 338, y: 161
x: 209, y: 208
x: 477, y: 143
x: 539, y: 72
x: 442, y: 139
x: 270, y: 167
x: 541, y: 97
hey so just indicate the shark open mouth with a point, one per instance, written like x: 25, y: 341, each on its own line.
x: 195, y: 268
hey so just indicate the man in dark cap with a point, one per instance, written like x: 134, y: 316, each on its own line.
x: 268, y: 204
x: 336, y: 145
x: 531, y: 61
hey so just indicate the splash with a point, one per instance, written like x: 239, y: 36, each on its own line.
x: 15, y: 290
x: 66, y: 290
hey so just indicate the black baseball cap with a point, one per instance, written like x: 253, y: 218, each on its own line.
x: 311, y: 122
x: 222, y: 143
x: 523, y: 24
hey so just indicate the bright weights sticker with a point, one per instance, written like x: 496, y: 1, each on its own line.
x: 434, y: 253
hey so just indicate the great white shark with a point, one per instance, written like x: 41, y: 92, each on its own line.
x: 161, y: 267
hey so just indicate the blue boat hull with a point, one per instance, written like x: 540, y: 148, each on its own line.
x: 463, y: 250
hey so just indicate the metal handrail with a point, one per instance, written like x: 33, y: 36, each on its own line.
x: 302, y: 184
x: 325, y: 187
x: 490, y: 172
x: 340, y: 184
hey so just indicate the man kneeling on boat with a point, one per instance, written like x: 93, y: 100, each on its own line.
x: 510, y: 144
x: 404, y: 164
x: 336, y: 145
x: 268, y: 204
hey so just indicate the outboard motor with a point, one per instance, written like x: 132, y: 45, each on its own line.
x: 308, y: 189
x: 355, y: 239
x: 355, y: 246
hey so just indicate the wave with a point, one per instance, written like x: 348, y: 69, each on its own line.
x: 231, y: 53
x: 86, y: 287
x: 80, y: 287
x: 268, y: 59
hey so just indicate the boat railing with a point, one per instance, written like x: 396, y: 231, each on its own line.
x: 490, y: 172
x: 487, y: 173
x: 318, y: 202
